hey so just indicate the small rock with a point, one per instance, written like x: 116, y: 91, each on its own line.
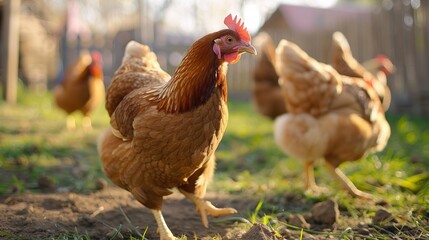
x: 284, y: 231
x: 45, y: 182
x: 258, y: 232
x: 308, y: 218
x: 382, y: 215
x: 326, y: 212
x: 416, y: 159
x: 299, y: 221
x: 382, y: 203
x: 14, y: 189
x: 100, y: 184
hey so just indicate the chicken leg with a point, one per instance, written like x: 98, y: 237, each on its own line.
x: 206, y: 207
x: 309, y: 180
x: 164, y: 231
x: 70, y: 123
x: 345, y: 182
x: 86, y: 123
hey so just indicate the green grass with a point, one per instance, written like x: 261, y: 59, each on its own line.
x: 34, y: 143
x: 398, y: 176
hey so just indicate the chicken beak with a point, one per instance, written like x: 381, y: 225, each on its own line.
x: 247, y: 47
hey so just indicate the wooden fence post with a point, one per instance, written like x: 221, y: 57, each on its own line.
x: 10, y: 50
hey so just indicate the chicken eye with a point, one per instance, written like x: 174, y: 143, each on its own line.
x: 229, y: 39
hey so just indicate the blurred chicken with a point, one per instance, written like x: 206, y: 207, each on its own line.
x: 330, y: 116
x: 165, y: 129
x: 267, y: 96
x: 82, y: 88
x: 266, y: 92
x: 375, y: 70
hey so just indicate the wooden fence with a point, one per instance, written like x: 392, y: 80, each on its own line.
x: 402, y: 31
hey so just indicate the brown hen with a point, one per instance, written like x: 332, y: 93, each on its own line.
x: 330, y: 116
x: 82, y: 88
x: 267, y: 95
x: 165, y: 130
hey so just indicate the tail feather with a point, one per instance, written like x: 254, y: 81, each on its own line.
x: 307, y: 84
x: 344, y: 62
x: 140, y: 68
x: 265, y: 44
x: 139, y: 51
x: 342, y: 58
x: 266, y: 91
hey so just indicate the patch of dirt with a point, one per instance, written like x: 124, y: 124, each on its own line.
x: 31, y: 216
x: 99, y: 215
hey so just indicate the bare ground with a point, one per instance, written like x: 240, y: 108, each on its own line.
x: 39, y: 216
x: 99, y: 215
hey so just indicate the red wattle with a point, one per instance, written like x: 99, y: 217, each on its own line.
x: 232, y: 57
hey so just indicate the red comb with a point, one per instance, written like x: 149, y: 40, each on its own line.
x: 96, y: 56
x: 381, y: 57
x: 237, y: 26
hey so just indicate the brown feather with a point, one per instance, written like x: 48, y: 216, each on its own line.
x: 80, y: 89
x: 266, y: 92
x: 330, y: 116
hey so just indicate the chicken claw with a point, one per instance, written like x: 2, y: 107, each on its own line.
x: 207, y: 208
x: 345, y: 182
x: 86, y: 123
x: 164, y: 231
x: 309, y: 181
x: 361, y: 194
x: 71, y: 123
x: 316, y: 190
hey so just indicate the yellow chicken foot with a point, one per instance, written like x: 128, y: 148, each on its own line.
x: 164, y: 231
x: 71, y: 123
x: 309, y: 180
x: 206, y: 207
x: 345, y: 182
x: 86, y: 122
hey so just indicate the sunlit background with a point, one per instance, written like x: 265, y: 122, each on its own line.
x: 52, y: 33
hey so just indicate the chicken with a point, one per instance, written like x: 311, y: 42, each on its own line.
x: 165, y: 130
x: 82, y: 88
x: 330, y: 116
x: 375, y: 70
x: 266, y: 92
x: 267, y: 96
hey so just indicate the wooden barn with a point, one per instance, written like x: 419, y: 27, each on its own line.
x: 397, y: 29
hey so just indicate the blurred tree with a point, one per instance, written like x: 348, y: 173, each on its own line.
x: 9, y: 49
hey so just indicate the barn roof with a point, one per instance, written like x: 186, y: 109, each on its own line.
x: 308, y: 18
